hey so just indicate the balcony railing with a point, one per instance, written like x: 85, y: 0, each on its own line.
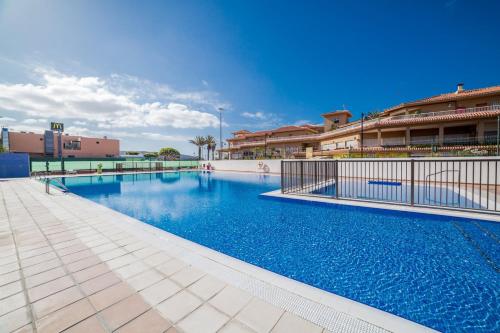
x: 313, y: 137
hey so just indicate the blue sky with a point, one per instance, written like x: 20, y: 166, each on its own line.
x: 153, y: 73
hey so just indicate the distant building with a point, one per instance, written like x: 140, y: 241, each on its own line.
x: 443, y: 123
x: 47, y: 144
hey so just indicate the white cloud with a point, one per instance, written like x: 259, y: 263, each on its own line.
x: 118, y: 102
x: 7, y: 119
x: 34, y: 121
x: 162, y: 137
x: 256, y: 115
x: 80, y: 123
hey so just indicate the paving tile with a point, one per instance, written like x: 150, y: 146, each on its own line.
x: 124, y: 311
x: 230, y: 300
x: 7, y: 268
x: 121, y: 261
x: 99, y: 283
x: 89, y: 325
x: 15, y: 320
x: 160, y: 291
x: 82, y: 264
x: 135, y: 246
x: 133, y: 269
x: 144, y: 279
x: 8, y: 259
x: 65, y: 317
x: 206, y: 287
x: 72, y: 249
x: 178, y: 306
x: 90, y: 272
x: 157, y: 259
x: 76, y: 256
x: 56, y: 301
x: 290, y: 323
x: 108, y: 255
x: 205, y: 319
x: 170, y: 267
x: 187, y: 276
x: 11, y: 289
x: 235, y: 326
x: 12, y: 303
x: 44, y: 277
x: 41, y: 267
x: 9, y: 277
x: 111, y: 295
x: 259, y: 315
x: 34, y: 252
x: 145, y: 252
x: 149, y: 322
x: 49, y: 288
x: 38, y: 259
x: 25, y: 329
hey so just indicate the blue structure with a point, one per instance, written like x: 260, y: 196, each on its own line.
x: 14, y: 165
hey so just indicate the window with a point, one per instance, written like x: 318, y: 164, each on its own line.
x: 72, y: 145
x: 335, y: 120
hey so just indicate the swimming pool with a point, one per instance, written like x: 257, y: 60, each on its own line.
x: 439, y: 271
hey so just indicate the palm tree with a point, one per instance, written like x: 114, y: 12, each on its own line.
x: 198, y: 141
x: 210, y: 142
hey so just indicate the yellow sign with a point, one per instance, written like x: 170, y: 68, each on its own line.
x: 57, y: 126
x: 309, y: 152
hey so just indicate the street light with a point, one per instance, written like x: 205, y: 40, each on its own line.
x: 220, y: 132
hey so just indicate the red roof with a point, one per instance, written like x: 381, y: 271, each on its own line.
x: 448, y: 97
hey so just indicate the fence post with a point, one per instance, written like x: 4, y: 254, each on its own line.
x: 301, y: 175
x: 412, y: 187
x: 336, y: 170
x: 281, y: 166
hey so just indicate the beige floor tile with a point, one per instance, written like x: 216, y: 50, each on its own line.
x: 38, y: 259
x: 149, y: 322
x: 89, y: 325
x: 56, y: 301
x: 230, y: 300
x: 82, y: 264
x: 11, y: 289
x: 124, y: 311
x: 71, y: 249
x: 44, y: 277
x: 187, y: 276
x: 144, y: 279
x: 49, y: 288
x: 259, y: 315
x: 9, y: 277
x: 108, y: 255
x: 205, y: 319
x: 76, y: 256
x: 235, y: 326
x: 7, y: 268
x: 12, y: 303
x: 65, y: 317
x: 206, y: 287
x: 145, y: 252
x: 90, y: 272
x: 15, y: 320
x: 170, y: 267
x: 99, y: 283
x: 41, y: 267
x: 133, y: 269
x: 178, y: 306
x: 290, y: 323
x: 157, y: 259
x: 111, y: 295
x: 160, y: 291
x: 121, y: 261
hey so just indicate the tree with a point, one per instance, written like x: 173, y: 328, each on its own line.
x: 198, y: 141
x: 169, y: 154
x: 133, y: 153
x: 1, y: 149
x: 211, y: 143
x: 151, y: 155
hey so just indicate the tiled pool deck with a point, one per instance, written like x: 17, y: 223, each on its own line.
x: 68, y: 264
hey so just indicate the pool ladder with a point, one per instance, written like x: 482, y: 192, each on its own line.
x: 47, y: 182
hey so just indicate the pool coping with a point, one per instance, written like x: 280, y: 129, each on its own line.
x: 311, y: 303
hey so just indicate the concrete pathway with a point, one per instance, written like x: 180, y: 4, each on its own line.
x: 70, y: 265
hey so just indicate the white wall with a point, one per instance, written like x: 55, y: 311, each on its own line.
x: 272, y: 166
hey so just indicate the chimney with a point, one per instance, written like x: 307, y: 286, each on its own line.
x: 460, y: 88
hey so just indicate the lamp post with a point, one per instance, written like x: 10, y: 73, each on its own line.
x: 220, y: 132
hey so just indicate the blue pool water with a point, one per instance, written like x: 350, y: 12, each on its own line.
x: 439, y: 271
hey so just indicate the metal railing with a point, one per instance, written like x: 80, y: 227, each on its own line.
x: 462, y: 183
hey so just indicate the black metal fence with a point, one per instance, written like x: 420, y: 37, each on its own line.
x: 448, y: 183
